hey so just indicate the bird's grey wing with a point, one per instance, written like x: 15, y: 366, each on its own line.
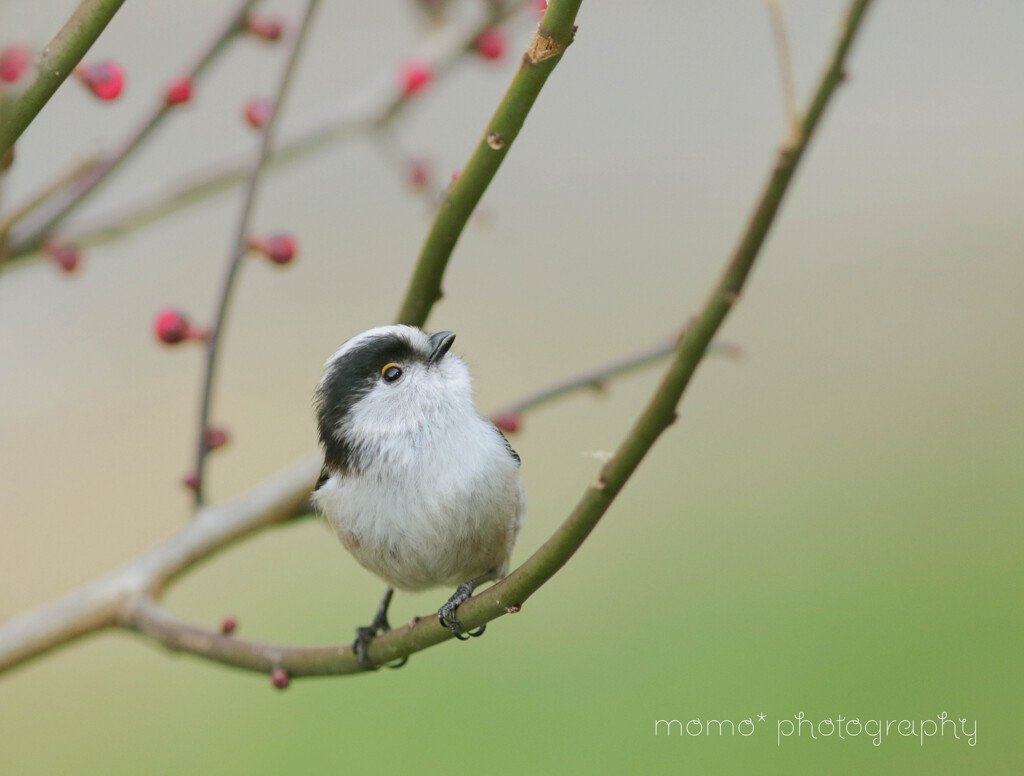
x: 508, y: 447
x: 326, y: 475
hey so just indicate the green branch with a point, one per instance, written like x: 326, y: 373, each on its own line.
x: 55, y: 63
x: 53, y: 210
x: 126, y: 598
x: 508, y: 595
x: 553, y: 36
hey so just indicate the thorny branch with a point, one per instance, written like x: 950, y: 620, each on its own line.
x: 127, y: 598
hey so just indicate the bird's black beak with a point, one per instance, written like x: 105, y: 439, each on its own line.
x: 440, y: 344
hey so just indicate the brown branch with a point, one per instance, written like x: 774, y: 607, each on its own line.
x: 448, y: 49
x: 46, y: 214
x: 241, y: 247
x: 126, y: 597
x: 102, y: 603
x: 598, y: 378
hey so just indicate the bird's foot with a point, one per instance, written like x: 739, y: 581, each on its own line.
x: 367, y: 633
x: 446, y: 614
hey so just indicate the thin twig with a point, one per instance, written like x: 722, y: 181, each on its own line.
x: 777, y: 14
x: 553, y: 36
x: 449, y: 50
x: 241, y: 246
x: 38, y: 199
x: 598, y: 378
x: 69, y: 198
x: 54, y: 64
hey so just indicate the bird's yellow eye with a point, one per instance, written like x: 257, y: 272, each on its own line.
x: 391, y: 372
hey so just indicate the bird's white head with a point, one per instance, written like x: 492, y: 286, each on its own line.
x: 385, y: 387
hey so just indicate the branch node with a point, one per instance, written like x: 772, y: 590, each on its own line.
x: 542, y: 48
x: 513, y: 609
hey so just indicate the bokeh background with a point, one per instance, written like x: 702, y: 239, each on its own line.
x: 832, y: 528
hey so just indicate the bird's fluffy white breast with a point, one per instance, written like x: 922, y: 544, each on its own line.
x: 436, y: 497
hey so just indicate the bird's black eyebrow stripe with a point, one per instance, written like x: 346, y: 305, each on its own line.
x: 350, y: 378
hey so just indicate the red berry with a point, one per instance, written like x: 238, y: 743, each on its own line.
x: 456, y: 175
x: 492, y: 43
x: 279, y: 248
x: 417, y: 173
x: 105, y: 79
x: 171, y: 327
x: 13, y: 61
x: 228, y: 625
x: 191, y: 481
x: 216, y: 437
x: 258, y: 111
x: 178, y: 91
x: 65, y: 254
x: 541, y: 5
x: 510, y: 421
x: 415, y: 75
x: 280, y: 679
x: 264, y: 27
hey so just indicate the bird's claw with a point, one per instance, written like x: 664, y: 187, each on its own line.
x: 446, y: 614
x: 367, y: 633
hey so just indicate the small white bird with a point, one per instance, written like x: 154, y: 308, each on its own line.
x: 420, y: 488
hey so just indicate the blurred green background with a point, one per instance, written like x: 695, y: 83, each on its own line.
x: 832, y: 528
